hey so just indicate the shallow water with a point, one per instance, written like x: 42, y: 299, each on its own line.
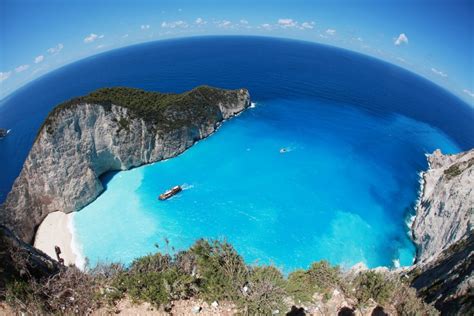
x: 341, y: 191
x: 356, y: 132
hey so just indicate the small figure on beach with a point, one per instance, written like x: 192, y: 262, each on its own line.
x: 58, y: 252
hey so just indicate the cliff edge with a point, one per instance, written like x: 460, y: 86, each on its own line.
x: 109, y: 129
x: 445, y: 213
x: 443, y: 232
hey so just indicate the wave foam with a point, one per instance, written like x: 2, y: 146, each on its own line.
x: 76, y: 247
x: 396, y: 263
x: 286, y: 150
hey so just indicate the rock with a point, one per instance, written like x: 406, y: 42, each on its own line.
x: 445, y: 212
x: 443, y: 232
x: 215, y: 304
x: 447, y: 281
x: 196, y: 309
x: 383, y: 270
x: 357, y: 268
x: 80, y: 141
x: 18, y: 258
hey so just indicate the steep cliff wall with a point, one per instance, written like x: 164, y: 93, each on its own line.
x: 443, y: 232
x: 447, y: 281
x: 445, y: 213
x: 21, y: 260
x: 86, y: 137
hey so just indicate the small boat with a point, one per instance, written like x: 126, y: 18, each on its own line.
x: 283, y: 150
x: 4, y: 132
x: 173, y: 191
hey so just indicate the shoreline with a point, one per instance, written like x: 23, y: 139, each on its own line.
x: 57, y: 229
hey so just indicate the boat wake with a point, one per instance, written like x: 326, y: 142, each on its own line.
x: 285, y: 150
x: 186, y: 186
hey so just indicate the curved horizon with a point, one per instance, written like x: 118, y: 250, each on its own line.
x: 304, y: 140
x: 445, y: 89
x: 422, y: 98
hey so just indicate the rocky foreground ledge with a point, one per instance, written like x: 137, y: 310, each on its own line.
x: 109, y: 129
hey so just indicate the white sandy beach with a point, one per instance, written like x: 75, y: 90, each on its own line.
x: 55, y: 230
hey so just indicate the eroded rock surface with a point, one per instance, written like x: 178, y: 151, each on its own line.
x: 81, y: 140
x: 443, y: 232
x: 445, y: 213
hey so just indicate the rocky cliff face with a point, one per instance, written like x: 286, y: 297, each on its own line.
x: 445, y: 213
x: 443, y: 232
x: 21, y: 260
x: 447, y: 281
x: 80, y: 142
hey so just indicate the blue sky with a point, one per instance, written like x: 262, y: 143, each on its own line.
x: 432, y: 38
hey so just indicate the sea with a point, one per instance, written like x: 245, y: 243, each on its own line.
x: 325, y: 164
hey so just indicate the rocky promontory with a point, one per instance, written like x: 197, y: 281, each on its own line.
x: 109, y: 129
x: 445, y: 213
x: 443, y: 232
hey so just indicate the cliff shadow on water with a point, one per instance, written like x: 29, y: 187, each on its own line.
x: 106, y: 177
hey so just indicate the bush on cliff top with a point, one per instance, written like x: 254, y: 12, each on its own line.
x: 321, y: 277
x: 208, y: 270
x: 168, y: 110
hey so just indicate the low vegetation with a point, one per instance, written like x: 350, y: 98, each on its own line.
x: 457, y: 168
x: 211, y: 271
x: 166, y: 110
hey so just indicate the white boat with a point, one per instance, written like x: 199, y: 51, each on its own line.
x: 173, y: 191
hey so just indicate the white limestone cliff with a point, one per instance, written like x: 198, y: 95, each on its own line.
x: 80, y: 143
x: 445, y: 213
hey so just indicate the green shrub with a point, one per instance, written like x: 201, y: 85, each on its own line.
x: 221, y: 270
x: 167, y: 110
x: 324, y: 277
x: 407, y: 303
x: 124, y: 124
x: 265, y: 291
x: 299, y: 286
x: 208, y: 270
x: 70, y: 291
x: 147, y: 286
x: 18, y: 292
x: 155, y: 286
x: 154, y: 262
x: 320, y: 277
x: 458, y: 168
x: 371, y: 284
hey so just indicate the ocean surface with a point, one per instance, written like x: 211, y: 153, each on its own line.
x: 355, y: 131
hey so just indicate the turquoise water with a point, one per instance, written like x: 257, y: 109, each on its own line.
x: 343, y: 190
x: 356, y: 129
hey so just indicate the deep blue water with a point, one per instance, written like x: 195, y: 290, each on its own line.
x: 356, y: 128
